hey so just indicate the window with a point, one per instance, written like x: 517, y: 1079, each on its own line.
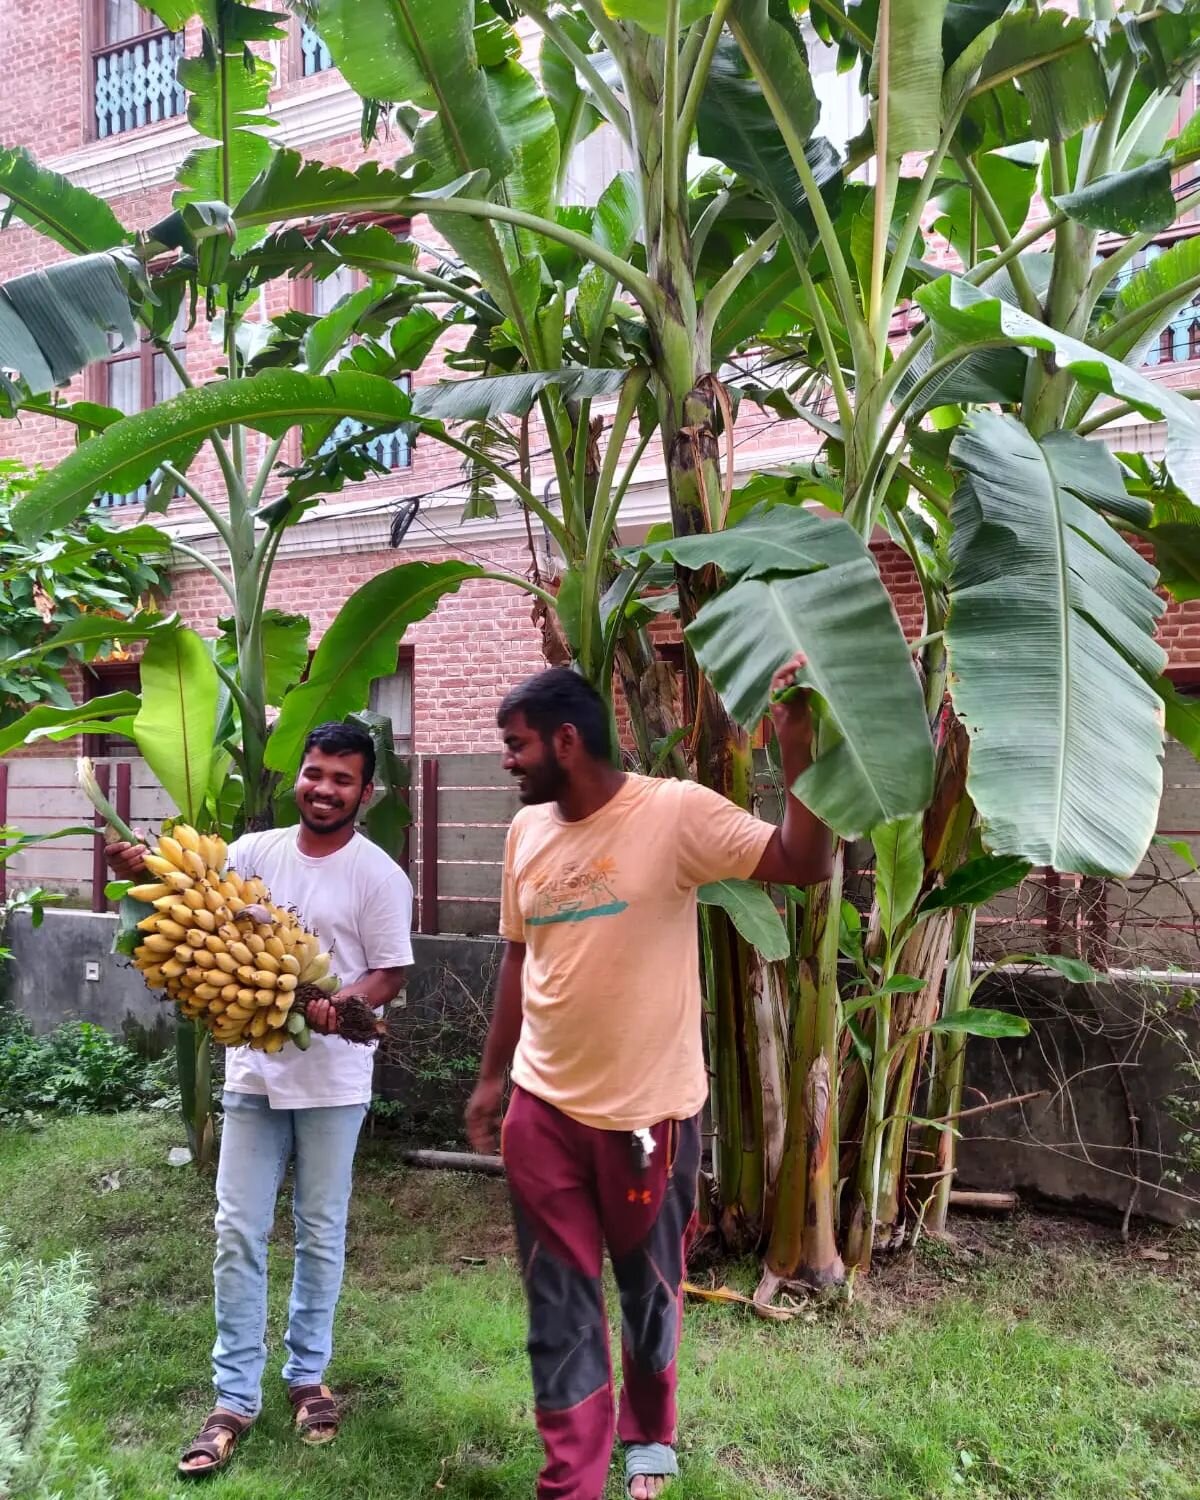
x: 99, y: 680
x: 133, y: 380
x: 393, y: 696
x: 314, y: 55
x: 133, y: 65
x: 844, y: 110
x: 393, y: 450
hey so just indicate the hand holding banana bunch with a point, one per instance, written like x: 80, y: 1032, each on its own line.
x: 227, y: 956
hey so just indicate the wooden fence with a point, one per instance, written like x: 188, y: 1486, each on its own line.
x: 462, y: 805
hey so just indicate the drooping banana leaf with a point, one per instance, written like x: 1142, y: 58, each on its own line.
x: 802, y: 582
x: 56, y: 321
x: 1051, y: 643
x: 359, y: 646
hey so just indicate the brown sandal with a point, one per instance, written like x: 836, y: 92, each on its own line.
x: 207, y: 1445
x: 317, y: 1417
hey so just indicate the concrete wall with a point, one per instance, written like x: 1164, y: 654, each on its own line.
x: 1106, y: 1060
x: 47, y: 979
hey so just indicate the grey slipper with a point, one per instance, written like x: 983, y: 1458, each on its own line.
x: 654, y: 1460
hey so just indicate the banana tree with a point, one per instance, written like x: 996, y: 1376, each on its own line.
x: 995, y: 102
x: 782, y: 256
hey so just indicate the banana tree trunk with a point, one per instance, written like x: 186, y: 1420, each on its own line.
x: 881, y: 1123
x: 946, y: 1082
x: 803, y: 1243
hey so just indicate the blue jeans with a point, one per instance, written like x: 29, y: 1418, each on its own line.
x: 256, y: 1144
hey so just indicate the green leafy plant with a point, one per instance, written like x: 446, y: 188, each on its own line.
x: 44, y: 1313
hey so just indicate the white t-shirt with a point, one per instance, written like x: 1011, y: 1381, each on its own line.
x: 359, y: 903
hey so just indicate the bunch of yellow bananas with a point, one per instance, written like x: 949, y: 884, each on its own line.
x: 224, y: 953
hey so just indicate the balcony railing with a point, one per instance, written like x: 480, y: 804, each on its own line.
x: 314, y: 54
x: 110, y: 501
x: 391, y: 450
x: 135, y: 83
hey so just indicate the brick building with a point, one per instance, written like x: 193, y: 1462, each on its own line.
x: 93, y: 96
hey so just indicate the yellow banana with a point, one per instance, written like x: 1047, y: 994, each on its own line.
x: 149, y: 893
x: 171, y: 849
x: 186, y: 837
x: 317, y: 968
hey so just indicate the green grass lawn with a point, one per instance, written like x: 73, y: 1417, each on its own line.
x: 1035, y: 1358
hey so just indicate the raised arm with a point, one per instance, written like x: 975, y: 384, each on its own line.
x: 486, y: 1102
x: 801, y: 849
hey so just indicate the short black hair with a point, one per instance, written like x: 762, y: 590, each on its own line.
x: 557, y: 697
x: 336, y: 738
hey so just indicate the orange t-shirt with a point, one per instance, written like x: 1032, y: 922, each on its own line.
x: 607, y: 908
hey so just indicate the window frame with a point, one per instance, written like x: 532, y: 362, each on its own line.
x: 95, y: 46
x: 405, y: 658
x: 99, y: 679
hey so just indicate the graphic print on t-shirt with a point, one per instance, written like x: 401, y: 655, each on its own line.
x: 574, y: 894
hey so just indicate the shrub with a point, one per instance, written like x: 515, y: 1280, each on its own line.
x: 44, y: 1311
x: 76, y: 1069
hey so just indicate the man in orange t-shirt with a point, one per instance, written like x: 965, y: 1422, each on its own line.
x: 598, y: 1013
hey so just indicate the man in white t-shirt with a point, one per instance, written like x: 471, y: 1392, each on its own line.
x: 306, y: 1107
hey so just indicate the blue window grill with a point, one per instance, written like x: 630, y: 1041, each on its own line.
x: 314, y: 54
x: 135, y: 84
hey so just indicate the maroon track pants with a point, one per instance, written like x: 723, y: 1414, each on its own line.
x: 574, y: 1190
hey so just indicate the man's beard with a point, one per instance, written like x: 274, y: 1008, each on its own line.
x: 545, y: 784
x: 321, y: 828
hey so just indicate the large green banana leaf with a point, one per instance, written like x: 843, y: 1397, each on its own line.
x: 55, y: 207
x: 651, y: 15
x: 175, y: 727
x: 964, y: 316
x: 128, y: 452
x: 1174, y: 274
x: 492, y: 119
x: 292, y: 188
x: 1138, y: 201
x: 285, y: 650
x: 907, y: 58
x: 111, y: 714
x: 737, y: 127
x: 359, y: 646
x: 1051, y: 642
x: 509, y: 395
x: 802, y: 582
